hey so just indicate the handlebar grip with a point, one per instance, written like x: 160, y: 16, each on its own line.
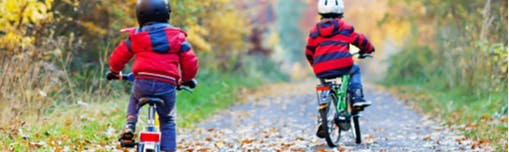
x: 191, y: 84
x: 128, y: 77
x: 188, y: 86
x: 367, y: 56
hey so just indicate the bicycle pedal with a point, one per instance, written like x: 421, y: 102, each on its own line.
x: 322, y: 106
x: 320, y: 133
x: 127, y: 143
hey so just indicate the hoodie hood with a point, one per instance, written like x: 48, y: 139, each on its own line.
x: 328, y: 28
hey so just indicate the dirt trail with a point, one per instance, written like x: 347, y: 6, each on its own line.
x: 284, y: 118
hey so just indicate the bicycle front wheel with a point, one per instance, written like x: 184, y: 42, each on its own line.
x: 333, y: 133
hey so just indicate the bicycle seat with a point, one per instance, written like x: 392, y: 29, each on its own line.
x: 329, y: 80
x: 151, y: 101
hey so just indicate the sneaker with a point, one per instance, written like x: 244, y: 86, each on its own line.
x: 320, y: 133
x: 358, y: 99
x: 127, y: 137
x: 362, y: 104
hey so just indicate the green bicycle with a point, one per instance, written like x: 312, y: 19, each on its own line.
x: 337, y: 113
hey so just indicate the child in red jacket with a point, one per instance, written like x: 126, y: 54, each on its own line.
x: 159, y: 49
x: 328, y: 48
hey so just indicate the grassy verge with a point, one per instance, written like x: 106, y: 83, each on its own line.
x: 483, y: 119
x: 95, y: 123
x: 218, y: 93
x: 464, y: 87
x: 95, y: 126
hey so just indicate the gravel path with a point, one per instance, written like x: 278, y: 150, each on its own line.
x: 286, y: 120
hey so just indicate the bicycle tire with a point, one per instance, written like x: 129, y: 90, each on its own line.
x: 324, y: 114
x: 357, y: 129
x: 355, y: 120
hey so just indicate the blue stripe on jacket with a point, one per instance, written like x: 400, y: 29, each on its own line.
x: 314, y: 35
x: 335, y: 43
x: 331, y: 56
x: 334, y: 73
x: 158, y: 36
x: 159, y: 41
x: 309, y: 57
x: 311, y: 48
x: 185, y: 47
x: 356, y: 41
x: 128, y: 44
x: 346, y: 32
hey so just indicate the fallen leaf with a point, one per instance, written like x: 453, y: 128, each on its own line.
x: 208, y: 139
x: 219, y: 144
x: 203, y: 149
x: 426, y: 138
x: 247, y: 141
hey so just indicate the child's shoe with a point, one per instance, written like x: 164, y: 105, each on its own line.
x: 320, y: 133
x: 358, y: 99
x: 127, y: 137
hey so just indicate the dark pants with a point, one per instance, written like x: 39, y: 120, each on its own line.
x: 165, y: 91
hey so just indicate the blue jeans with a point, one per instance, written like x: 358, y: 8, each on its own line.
x: 355, y: 77
x: 165, y: 91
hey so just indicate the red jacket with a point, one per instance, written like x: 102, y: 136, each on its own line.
x: 159, y: 49
x: 328, y: 48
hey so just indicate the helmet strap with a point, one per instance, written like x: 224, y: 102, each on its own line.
x: 331, y: 16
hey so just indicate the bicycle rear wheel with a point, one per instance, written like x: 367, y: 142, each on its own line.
x: 356, y: 130
x: 333, y: 133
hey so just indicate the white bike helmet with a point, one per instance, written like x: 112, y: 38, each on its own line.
x: 330, y: 7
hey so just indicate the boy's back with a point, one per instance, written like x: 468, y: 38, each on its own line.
x: 163, y: 59
x: 328, y: 48
x: 159, y: 49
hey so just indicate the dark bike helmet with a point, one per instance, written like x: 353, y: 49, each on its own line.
x: 148, y: 11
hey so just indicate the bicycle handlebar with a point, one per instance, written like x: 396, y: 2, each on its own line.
x: 186, y: 86
x: 363, y: 55
x: 128, y: 77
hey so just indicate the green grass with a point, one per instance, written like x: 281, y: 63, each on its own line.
x: 74, y: 127
x: 480, y: 118
x: 467, y: 94
x: 84, y: 127
x: 217, y: 93
x: 98, y: 124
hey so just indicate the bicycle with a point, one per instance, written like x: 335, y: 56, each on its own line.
x: 336, y: 109
x: 149, y: 139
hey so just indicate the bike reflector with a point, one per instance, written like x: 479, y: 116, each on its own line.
x: 150, y: 136
x: 322, y: 88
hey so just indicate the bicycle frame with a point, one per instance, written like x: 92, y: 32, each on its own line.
x: 342, y: 93
x: 340, y: 90
x: 345, y: 116
x: 151, y: 118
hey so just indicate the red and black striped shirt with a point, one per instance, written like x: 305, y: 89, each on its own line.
x: 328, y: 47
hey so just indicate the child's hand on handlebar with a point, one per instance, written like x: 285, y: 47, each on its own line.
x: 191, y: 84
x: 187, y: 84
x: 364, y: 55
x: 111, y: 75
